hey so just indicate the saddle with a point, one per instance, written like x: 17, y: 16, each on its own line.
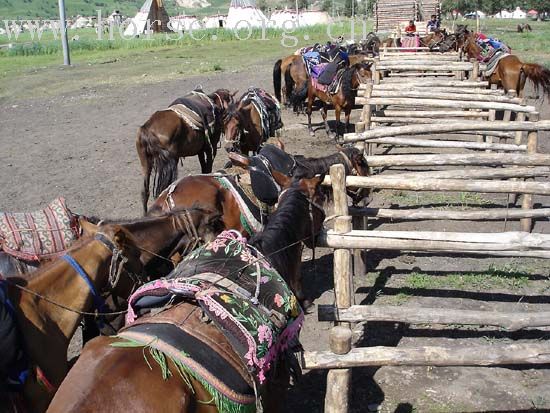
x: 39, y: 235
x: 197, y: 110
x: 240, y: 292
x: 181, y: 334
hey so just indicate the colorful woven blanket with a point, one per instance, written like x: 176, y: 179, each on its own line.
x: 239, y: 290
x: 410, y: 41
x: 39, y: 235
x: 268, y: 108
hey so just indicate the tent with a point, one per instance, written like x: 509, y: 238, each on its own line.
x: 152, y: 11
x: 244, y: 14
x: 215, y: 21
x: 280, y: 19
x: 503, y: 14
x: 518, y: 14
x: 185, y: 23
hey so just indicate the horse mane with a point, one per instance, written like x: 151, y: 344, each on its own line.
x: 309, y: 167
x: 286, y: 227
x: 231, y: 112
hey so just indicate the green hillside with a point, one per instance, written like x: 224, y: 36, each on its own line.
x: 47, y: 9
x: 17, y: 9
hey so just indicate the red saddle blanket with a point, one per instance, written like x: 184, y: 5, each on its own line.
x: 38, y: 235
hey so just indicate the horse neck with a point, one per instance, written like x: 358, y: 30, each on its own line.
x: 322, y: 165
x: 46, y: 328
x: 279, y: 240
x: 156, y: 235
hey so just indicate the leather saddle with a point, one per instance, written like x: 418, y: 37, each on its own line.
x: 181, y: 333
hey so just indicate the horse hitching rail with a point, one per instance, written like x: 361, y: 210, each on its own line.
x: 341, y: 357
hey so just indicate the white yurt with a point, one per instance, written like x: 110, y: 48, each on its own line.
x: 503, y: 14
x: 185, y: 23
x: 313, y: 17
x: 518, y: 14
x: 215, y: 21
x: 280, y: 17
x: 244, y: 14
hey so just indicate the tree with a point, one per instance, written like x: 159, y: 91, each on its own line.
x: 326, y: 6
x: 350, y: 7
x: 541, y: 6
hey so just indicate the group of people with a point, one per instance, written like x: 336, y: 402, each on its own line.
x: 432, y: 25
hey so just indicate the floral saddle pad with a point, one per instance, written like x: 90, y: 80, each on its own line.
x: 240, y: 292
x: 41, y: 234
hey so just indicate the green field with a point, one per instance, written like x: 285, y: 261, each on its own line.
x: 33, y: 67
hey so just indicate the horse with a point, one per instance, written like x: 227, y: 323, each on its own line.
x: 296, y: 75
x: 343, y: 99
x: 50, y: 304
x: 116, y: 376
x: 48, y: 307
x: 191, y: 126
x: 524, y: 27
x: 510, y: 72
x: 251, y: 121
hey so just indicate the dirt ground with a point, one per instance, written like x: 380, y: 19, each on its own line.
x: 81, y: 146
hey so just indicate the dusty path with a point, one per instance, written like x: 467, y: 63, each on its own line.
x: 81, y: 146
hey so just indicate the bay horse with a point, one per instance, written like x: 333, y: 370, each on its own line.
x: 251, y: 121
x: 295, y: 73
x: 49, y: 305
x: 343, y: 99
x: 191, y: 126
x: 510, y: 73
x: 116, y: 377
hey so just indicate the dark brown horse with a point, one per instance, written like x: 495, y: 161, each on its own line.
x: 191, y: 126
x: 295, y: 73
x: 251, y: 121
x: 209, y: 191
x: 50, y: 308
x: 343, y: 99
x: 118, y: 378
x: 510, y: 73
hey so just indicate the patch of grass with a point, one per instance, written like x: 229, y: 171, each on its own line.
x: 464, y: 200
x: 399, y: 299
x: 505, y: 277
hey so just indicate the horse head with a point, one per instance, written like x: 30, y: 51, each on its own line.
x: 233, y: 127
x: 311, y: 188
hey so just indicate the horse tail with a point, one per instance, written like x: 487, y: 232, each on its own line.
x: 157, y: 161
x: 289, y: 83
x: 277, y: 79
x: 539, y: 75
x: 299, y: 96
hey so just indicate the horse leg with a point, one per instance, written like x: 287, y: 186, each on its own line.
x: 309, y: 112
x: 348, y: 115
x: 202, y: 160
x: 337, y: 113
x: 325, y: 119
x: 209, y: 160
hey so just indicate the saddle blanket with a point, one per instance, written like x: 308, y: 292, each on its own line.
x: 189, y: 116
x: 240, y: 292
x: 490, y: 48
x: 410, y: 41
x: 269, y: 109
x: 493, y: 62
x: 39, y: 235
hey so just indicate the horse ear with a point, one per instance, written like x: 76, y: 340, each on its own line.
x: 239, y: 160
x: 310, y: 185
x: 281, y: 179
x: 88, y: 229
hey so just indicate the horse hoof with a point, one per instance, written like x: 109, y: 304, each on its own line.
x: 311, y: 133
x: 307, y: 304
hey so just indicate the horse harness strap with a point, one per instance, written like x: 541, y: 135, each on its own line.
x: 98, y: 300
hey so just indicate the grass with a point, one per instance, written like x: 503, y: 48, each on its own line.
x: 464, y: 200
x: 505, y: 277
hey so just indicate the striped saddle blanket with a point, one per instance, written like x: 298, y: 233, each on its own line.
x: 39, y: 235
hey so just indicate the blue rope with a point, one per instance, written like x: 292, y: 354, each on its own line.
x: 98, y: 300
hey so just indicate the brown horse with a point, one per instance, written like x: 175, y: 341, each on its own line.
x: 46, y: 328
x: 118, y: 378
x: 343, y: 99
x: 510, y: 73
x: 191, y: 126
x: 295, y: 73
x: 251, y: 121
x: 50, y: 308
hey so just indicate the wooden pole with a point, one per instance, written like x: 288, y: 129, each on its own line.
x: 338, y: 381
x: 527, y: 202
x: 445, y: 127
x: 512, y: 321
x: 431, y: 214
x: 64, y: 36
x: 455, y: 355
x: 477, y: 97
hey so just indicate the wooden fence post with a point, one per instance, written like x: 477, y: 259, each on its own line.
x: 527, y: 201
x: 338, y: 381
